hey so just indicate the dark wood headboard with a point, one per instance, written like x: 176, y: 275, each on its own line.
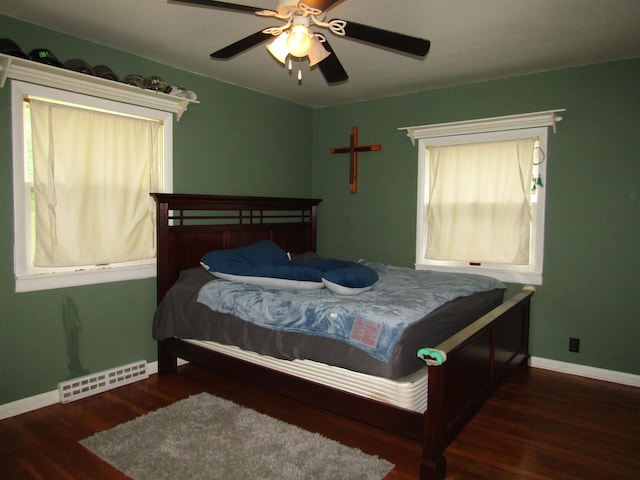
x: 191, y: 225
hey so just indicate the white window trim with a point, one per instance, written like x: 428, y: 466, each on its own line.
x: 27, y: 277
x: 534, y: 124
x: 547, y: 118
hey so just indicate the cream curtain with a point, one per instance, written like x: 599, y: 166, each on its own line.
x: 479, y: 207
x: 93, y: 172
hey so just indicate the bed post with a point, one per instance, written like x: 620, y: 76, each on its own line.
x: 434, y: 464
x: 167, y: 362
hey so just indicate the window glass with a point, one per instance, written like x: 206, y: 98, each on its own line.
x: 481, y: 204
x: 83, y: 171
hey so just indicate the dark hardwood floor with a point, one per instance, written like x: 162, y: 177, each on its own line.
x: 538, y: 425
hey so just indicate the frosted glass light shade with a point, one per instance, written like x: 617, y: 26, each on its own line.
x: 278, y: 47
x: 317, y: 52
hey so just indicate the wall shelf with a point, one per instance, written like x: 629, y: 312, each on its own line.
x: 50, y: 76
x: 484, y: 125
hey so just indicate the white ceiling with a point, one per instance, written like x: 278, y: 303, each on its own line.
x: 471, y: 40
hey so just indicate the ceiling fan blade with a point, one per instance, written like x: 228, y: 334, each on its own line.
x: 331, y: 68
x: 385, y: 38
x: 241, y: 45
x: 225, y: 5
x: 323, y: 5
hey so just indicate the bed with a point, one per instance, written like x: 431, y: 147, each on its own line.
x: 464, y: 369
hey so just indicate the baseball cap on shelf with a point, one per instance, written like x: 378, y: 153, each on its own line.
x: 79, y: 65
x: 179, y: 91
x: 9, y: 47
x: 105, y: 72
x: 134, y: 79
x: 157, y: 84
x: 44, y: 55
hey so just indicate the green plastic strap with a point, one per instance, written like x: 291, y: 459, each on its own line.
x: 432, y: 356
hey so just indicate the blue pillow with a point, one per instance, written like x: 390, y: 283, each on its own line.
x: 239, y: 260
x: 351, y: 280
x: 263, y: 263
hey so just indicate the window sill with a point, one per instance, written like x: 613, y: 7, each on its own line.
x: 524, y: 278
x: 48, y: 281
x: 47, y: 75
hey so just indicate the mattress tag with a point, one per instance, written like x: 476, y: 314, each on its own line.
x: 366, y: 332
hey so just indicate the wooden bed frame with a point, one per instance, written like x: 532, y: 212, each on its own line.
x: 478, y: 357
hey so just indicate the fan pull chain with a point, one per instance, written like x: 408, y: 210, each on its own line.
x: 290, y: 67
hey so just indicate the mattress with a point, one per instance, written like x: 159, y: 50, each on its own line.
x: 409, y: 393
x: 179, y: 315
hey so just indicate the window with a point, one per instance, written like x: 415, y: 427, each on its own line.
x: 83, y: 170
x: 481, y: 197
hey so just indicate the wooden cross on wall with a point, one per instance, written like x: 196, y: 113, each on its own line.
x: 353, y: 150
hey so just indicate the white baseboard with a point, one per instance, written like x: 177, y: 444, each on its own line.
x: 28, y: 404
x: 46, y: 399
x: 25, y: 405
x: 586, y: 371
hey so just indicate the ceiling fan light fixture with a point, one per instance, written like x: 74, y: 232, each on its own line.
x: 299, y: 41
x: 278, y: 47
x: 317, y: 52
x: 294, y: 38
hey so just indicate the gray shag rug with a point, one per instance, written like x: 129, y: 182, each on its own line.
x: 206, y: 437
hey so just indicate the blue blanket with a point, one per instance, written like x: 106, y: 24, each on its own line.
x: 372, y: 321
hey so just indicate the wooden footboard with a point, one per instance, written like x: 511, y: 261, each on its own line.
x: 478, y: 357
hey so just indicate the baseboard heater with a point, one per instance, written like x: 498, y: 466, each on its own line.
x: 94, y: 383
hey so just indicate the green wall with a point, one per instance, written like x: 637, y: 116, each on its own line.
x: 227, y: 144
x: 224, y: 145
x: 593, y: 211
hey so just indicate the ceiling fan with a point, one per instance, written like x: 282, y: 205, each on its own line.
x: 295, y: 38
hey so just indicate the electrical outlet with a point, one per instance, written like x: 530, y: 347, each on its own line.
x: 574, y: 344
